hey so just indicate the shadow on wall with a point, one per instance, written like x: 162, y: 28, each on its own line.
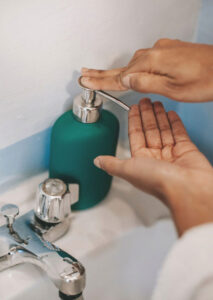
x: 73, y: 90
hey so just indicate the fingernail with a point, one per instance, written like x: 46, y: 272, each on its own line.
x: 84, y: 70
x: 84, y: 80
x: 97, y: 162
x: 126, y: 81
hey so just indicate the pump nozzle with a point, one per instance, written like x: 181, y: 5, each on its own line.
x: 89, y: 94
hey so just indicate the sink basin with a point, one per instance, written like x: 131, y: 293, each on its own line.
x: 125, y: 269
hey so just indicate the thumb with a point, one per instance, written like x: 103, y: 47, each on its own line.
x: 111, y: 165
x: 134, y: 170
x: 146, y: 82
x: 147, y: 174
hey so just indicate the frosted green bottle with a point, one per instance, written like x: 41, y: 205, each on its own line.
x: 79, y: 136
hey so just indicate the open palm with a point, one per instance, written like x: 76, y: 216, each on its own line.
x: 155, y: 134
x: 163, y: 155
x: 166, y: 164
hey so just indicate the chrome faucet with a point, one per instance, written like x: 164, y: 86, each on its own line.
x: 28, y: 239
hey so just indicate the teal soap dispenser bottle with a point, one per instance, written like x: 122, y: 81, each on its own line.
x: 78, y: 136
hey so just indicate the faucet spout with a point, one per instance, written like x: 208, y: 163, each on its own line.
x: 66, y: 272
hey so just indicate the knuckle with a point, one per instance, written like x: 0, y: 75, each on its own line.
x: 177, y: 41
x: 155, y: 55
x: 162, y: 42
x: 100, y: 71
x: 119, y: 79
x: 137, y: 52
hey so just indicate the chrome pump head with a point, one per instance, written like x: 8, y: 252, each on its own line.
x: 87, y: 107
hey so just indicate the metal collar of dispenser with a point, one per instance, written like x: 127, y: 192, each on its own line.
x: 86, y: 108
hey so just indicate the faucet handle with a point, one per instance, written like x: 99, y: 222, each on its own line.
x: 54, y: 199
x: 10, y: 212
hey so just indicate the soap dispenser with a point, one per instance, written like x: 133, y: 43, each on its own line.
x: 78, y: 137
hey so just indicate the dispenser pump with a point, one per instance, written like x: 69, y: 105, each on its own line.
x: 87, y: 107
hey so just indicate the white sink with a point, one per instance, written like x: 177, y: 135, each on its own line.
x: 122, y: 270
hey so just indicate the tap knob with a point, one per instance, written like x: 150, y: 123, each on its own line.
x: 54, y: 199
x: 10, y: 212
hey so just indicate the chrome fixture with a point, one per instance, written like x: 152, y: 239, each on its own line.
x: 54, y: 200
x: 28, y: 239
x: 86, y: 108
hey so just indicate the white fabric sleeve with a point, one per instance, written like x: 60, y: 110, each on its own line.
x: 187, y: 273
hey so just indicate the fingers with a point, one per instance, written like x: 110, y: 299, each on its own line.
x: 163, y: 124
x: 139, y: 75
x: 108, y: 73
x: 100, y: 73
x: 145, y: 82
x: 140, y: 63
x: 149, y: 123
x: 165, y: 42
x: 112, y: 83
x: 178, y: 129
x: 137, y: 54
x: 112, y: 79
x: 136, y: 134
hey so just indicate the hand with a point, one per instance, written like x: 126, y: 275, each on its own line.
x: 179, y: 70
x: 165, y: 163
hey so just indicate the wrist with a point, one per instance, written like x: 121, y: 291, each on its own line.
x: 190, y: 200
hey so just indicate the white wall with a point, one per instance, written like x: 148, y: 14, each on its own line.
x: 44, y: 43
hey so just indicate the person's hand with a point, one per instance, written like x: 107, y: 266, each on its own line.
x: 165, y: 163
x: 179, y: 70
